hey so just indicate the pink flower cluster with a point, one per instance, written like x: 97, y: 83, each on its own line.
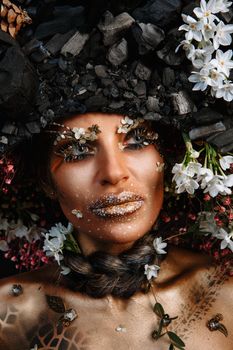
x: 25, y: 255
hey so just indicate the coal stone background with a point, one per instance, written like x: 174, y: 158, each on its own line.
x: 59, y: 65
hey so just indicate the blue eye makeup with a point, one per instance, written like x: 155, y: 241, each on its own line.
x: 74, y: 151
x: 71, y: 149
x: 139, y: 138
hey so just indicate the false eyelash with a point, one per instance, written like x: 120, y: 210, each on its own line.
x: 149, y: 136
x: 67, y: 151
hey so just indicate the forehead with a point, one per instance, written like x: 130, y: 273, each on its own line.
x: 103, y: 120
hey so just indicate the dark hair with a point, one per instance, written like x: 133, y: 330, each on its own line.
x: 100, y: 273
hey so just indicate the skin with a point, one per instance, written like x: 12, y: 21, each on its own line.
x: 110, y: 170
x: 189, y: 285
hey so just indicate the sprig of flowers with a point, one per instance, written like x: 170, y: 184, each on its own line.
x: 56, y: 240
x: 80, y: 134
x: 127, y: 124
x: 204, y: 35
x: 191, y: 175
x: 151, y: 272
x: 209, y: 223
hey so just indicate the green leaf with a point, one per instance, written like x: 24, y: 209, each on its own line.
x: 176, y: 340
x: 158, y: 309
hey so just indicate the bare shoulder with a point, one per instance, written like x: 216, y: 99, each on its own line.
x: 198, y: 276
x: 197, y: 267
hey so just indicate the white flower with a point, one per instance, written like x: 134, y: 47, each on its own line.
x: 34, y: 233
x: 208, y: 31
x: 215, y: 78
x: 218, y: 184
x: 65, y: 270
x: 4, y: 246
x: 127, y: 120
x: 205, y: 176
x: 188, y: 47
x: 226, y: 162
x: 159, y: 245
x: 77, y: 213
x: 189, y: 185
x: 184, y: 181
x: 179, y: 173
x: 193, y: 168
x: 60, y: 230
x: 122, y: 130
x: 206, y: 11
x: 195, y: 154
x: 222, y: 35
x: 78, y: 132
x: 223, y: 61
x: 225, y: 91
x: 126, y: 124
x: 193, y: 28
x: 201, y: 79
x: 201, y: 57
x: 20, y: 230
x: 151, y: 271
x: 207, y: 224
x: 222, y: 5
x: 228, y: 180
x: 53, y: 247
x: 54, y: 240
x: 226, y: 239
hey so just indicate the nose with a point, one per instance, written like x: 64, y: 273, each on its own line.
x: 112, y: 167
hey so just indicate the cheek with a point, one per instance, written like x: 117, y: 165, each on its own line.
x: 70, y: 182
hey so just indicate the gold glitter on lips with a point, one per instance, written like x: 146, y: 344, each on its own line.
x: 116, y: 205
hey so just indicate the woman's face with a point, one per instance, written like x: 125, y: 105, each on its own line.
x: 111, y: 188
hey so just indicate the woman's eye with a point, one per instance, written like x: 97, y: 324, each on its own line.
x: 139, y: 138
x: 74, y: 152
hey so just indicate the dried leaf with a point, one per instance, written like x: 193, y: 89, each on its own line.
x: 4, y: 26
x: 11, y: 16
x: 55, y: 303
x: 158, y: 309
x: 12, y: 30
x: 3, y: 12
x: 223, y: 329
x: 176, y: 340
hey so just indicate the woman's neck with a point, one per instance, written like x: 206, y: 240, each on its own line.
x: 90, y: 245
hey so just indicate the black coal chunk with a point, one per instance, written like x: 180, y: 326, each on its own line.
x: 158, y: 12
x: 207, y: 130
x: 223, y: 139
x: 18, y: 81
x: 65, y: 19
x: 206, y: 116
x: 148, y: 36
x: 113, y: 28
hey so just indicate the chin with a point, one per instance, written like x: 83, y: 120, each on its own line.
x: 118, y: 232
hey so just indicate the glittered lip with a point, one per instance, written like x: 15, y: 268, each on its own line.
x: 113, y: 205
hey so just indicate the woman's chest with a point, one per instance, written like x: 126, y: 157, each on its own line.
x: 96, y: 328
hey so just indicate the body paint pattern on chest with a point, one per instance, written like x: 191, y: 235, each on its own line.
x: 201, y: 298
